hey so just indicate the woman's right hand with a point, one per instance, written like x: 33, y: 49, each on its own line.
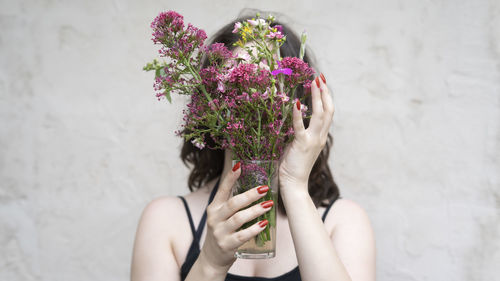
x: 224, y: 218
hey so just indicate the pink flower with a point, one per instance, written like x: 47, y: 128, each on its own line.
x: 243, y: 97
x: 198, y: 143
x: 237, y: 27
x: 214, y: 104
x: 284, y: 98
x: 301, y: 72
x: 166, y: 23
x: 265, y: 95
x: 253, y: 22
x: 273, y: 35
x: 218, y: 52
x: 221, y: 87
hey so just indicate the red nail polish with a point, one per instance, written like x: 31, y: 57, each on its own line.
x: 298, y: 104
x: 267, y: 204
x: 262, y: 189
x: 317, y: 81
x: 263, y: 223
x: 236, y: 167
x: 323, y: 78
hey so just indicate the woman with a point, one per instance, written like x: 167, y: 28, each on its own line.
x: 310, y: 244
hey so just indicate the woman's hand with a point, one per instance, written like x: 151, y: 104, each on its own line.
x: 224, y: 218
x: 300, y: 155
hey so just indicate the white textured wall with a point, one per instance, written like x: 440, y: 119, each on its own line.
x: 84, y: 144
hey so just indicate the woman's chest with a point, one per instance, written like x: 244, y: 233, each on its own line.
x: 284, y: 261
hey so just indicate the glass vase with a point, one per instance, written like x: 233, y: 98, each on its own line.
x: 255, y: 173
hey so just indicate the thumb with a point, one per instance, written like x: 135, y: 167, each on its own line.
x: 298, y: 123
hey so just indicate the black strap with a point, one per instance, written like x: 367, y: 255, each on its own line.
x: 199, y: 230
x: 189, y: 215
x: 328, y: 208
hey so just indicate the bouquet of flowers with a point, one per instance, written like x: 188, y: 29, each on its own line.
x: 238, y: 101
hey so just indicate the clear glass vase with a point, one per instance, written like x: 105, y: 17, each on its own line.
x: 255, y: 173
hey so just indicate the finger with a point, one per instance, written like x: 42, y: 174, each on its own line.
x: 328, y: 108
x: 226, y: 184
x: 241, y: 237
x: 240, y: 201
x: 246, y: 215
x: 317, y: 104
x: 298, y: 123
x: 326, y: 97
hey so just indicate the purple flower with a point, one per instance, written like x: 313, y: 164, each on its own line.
x: 286, y: 71
x: 279, y: 28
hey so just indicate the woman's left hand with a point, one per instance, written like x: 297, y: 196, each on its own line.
x: 300, y: 155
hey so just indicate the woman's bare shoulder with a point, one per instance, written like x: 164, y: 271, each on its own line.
x: 164, y: 211
x: 160, y: 214
x: 348, y: 212
x: 153, y: 253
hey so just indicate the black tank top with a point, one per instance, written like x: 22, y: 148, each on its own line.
x: 194, y: 250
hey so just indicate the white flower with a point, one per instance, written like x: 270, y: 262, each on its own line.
x: 244, y: 56
x: 264, y: 65
x: 197, y: 143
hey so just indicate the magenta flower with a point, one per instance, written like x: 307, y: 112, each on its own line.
x: 286, y: 71
x: 231, y: 97
x: 279, y: 28
x: 301, y: 72
x: 165, y: 24
x: 218, y: 52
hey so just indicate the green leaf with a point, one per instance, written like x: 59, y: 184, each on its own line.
x: 157, y: 73
x: 167, y: 94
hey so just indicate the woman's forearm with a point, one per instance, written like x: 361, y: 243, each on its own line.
x: 316, y: 255
x: 202, y: 269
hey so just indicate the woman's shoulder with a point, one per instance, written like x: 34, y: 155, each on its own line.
x: 348, y: 214
x: 159, y: 208
x: 160, y: 212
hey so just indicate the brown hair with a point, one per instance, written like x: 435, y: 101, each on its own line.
x: 208, y: 164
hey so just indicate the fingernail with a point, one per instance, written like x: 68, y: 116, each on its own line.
x: 267, y: 204
x: 263, y: 223
x: 317, y: 81
x: 298, y: 104
x: 236, y: 167
x: 263, y: 189
x: 323, y: 78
